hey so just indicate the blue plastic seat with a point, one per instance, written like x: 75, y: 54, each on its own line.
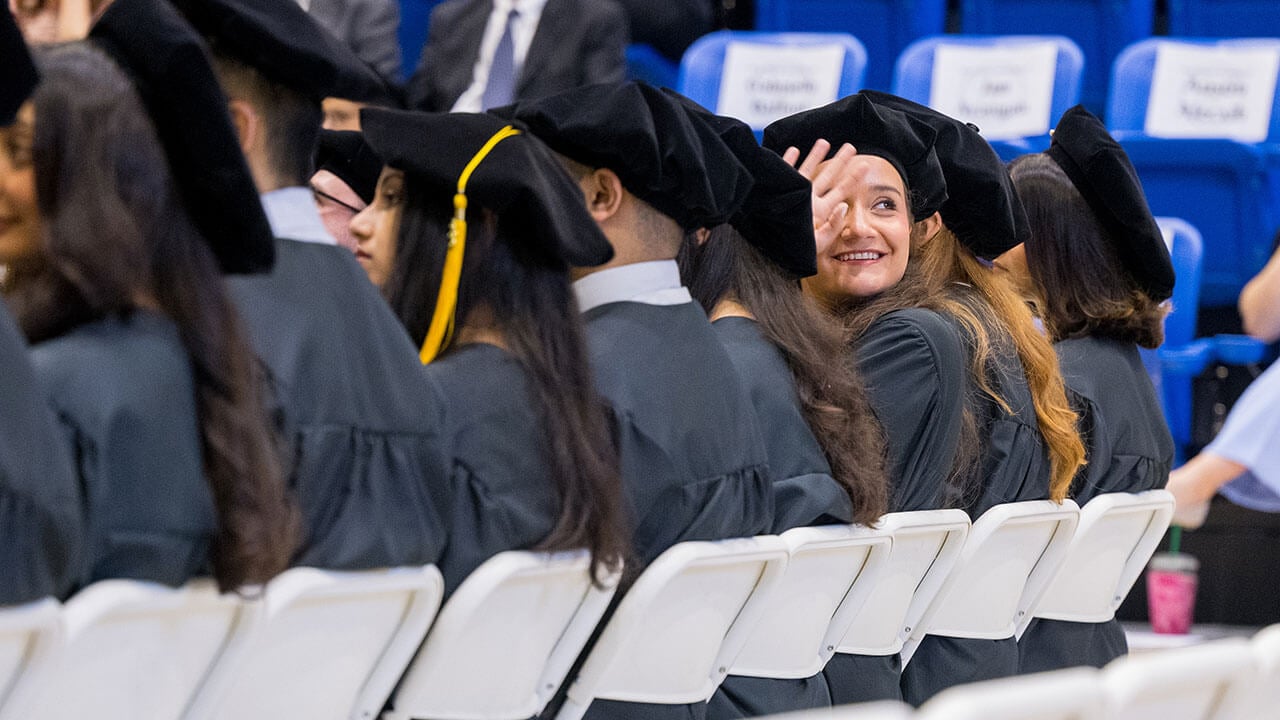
x: 1224, y: 18
x: 1102, y: 28
x: 913, y: 78
x: 1229, y: 190
x: 1182, y: 357
x: 414, y: 17
x: 703, y: 63
x: 884, y: 27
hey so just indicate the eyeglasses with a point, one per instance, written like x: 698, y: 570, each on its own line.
x: 322, y: 194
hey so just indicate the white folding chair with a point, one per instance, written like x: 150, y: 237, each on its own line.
x: 1008, y: 560
x: 831, y: 572
x: 505, y: 640
x: 1264, y: 697
x: 1190, y: 683
x: 330, y: 645
x: 926, y: 547
x: 28, y: 633
x: 132, y: 650
x: 1072, y: 694
x: 1117, y: 534
x: 677, y: 631
x: 886, y: 710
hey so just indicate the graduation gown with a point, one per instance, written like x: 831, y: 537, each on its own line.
x: 804, y: 494
x: 1014, y: 467
x: 358, y: 413
x: 915, y: 366
x: 693, y: 461
x: 123, y: 392
x: 39, y: 496
x: 1129, y: 450
x: 502, y: 492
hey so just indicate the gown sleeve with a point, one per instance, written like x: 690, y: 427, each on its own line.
x: 913, y: 363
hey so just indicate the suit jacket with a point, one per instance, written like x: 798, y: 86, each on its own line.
x: 578, y: 42
x: 368, y: 27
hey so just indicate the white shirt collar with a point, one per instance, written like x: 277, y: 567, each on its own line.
x: 293, y: 215
x: 650, y: 283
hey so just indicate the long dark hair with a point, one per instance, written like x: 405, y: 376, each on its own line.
x: 526, y: 294
x: 116, y: 239
x: 832, y: 396
x: 1081, y: 287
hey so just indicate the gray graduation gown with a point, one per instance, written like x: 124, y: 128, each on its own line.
x: 502, y: 493
x: 361, y: 418
x: 41, y: 528
x: 123, y: 392
x: 915, y: 366
x: 804, y: 494
x: 1129, y: 450
x: 693, y: 461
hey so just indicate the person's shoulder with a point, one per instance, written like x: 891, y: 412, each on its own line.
x: 920, y: 326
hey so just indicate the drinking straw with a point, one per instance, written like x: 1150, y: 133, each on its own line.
x: 1175, y: 539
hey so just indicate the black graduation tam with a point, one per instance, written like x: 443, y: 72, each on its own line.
x: 19, y: 78
x: 167, y: 61
x: 518, y: 178
x: 777, y: 217
x: 1101, y: 171
x: 905, y: 142
x: 982, y: 208
x: 284, y: 43
x: 347, y: 154
x: 662, y: 155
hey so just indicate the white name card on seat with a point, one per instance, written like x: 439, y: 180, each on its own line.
x: 1006, y: 90
x: 762, y: 83
x: 1212, y: 92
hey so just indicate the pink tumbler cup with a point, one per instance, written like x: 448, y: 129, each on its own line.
x: 1171, y: 592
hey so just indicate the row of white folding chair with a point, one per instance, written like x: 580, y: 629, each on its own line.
x: 1223, y: 680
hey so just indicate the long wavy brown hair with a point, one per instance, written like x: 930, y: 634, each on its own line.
x: 833, y: 398
x: 1080, y: 286
x: 939, y: 270
x: 116, y: 239
x: 525, y: 294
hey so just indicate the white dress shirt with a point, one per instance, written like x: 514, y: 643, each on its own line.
x: 293, y: 215
x: 522, y: 31
x: 648, y: 283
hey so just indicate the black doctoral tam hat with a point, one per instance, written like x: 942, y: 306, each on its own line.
x: 279, y: 39
x: 167, y: 62
x: 982, y: 208
x: 1101, y: 171
x: 347, y: 154
x: 663, y: 156
x: 903, y: 141
x: 777, y: 217
x: 517, y: 178
x: 19, y: 78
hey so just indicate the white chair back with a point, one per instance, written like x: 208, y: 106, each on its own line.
x: 330, y: 646
x: 678, y: 629
x: 133, y: 650
x: 1117, y: 534
x: 505, y: 639
x: 830, y: 574
x: 28, y: 633
x: 1190, y: 683
x: 1260, y: 698
x: 1007, y: 563
x: 1073, y: 694
x: 926, y: 546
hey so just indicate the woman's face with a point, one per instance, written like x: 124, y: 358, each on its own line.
x: 375, y: 227
x: 869, y: 254
x: 19, y: 217
x: 338, y: 204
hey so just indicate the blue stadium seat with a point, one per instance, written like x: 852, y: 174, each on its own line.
x: 414, y: 15
x: 703, y: 63
x: 647, y: 64
x: 1224, y: 18
x: 1229, y: 190
x: 913, y: 79
x: 884, y: 27
x: 1182, y: 356
x: 1102, y: 28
